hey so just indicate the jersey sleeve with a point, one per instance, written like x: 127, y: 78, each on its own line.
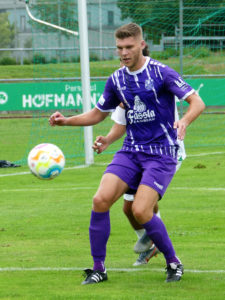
x: 176, y: 85
x: 108, y: 100
x: 118, y: 116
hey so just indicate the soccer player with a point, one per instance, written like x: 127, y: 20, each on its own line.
x: 147, y: 160
x: 145, y: 246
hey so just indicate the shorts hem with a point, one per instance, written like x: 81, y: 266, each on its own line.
x: 115, y: 173
x: 160, y: 192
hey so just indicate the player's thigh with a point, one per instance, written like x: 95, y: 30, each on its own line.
x: 126, y: 167
x: 145, y: 200
x: 111, y: 188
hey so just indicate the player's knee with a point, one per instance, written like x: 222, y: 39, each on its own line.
x: 141, y: 214
x: 100, y: 203
x: 138, y: 212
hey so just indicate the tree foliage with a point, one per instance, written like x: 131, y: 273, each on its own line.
x: 7, y: 32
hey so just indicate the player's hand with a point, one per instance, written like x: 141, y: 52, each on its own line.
x: 57, y: 119
x: 181, y: 129
x: 100, y: 144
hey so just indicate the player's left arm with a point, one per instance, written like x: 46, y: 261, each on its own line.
x: 196, y: 107
x: 116, y: 132
x: 103, y: 142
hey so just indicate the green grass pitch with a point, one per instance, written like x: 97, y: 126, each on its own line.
x: 44, y: 242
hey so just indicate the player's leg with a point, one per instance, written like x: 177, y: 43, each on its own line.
x: 114, y: 183
x: 127, y: 209
x: 145, y: 200
x: 150, y: 248
x: 110, y: 189
x: 155, y: 180
x: 143, y: 243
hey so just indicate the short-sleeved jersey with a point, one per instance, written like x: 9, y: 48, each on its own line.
x: 148, y: 95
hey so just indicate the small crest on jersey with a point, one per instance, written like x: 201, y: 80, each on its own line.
x: 139, y: 106
x: 149, y: 84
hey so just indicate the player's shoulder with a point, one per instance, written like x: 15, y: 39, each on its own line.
x: 154, y: 62
x: 118, y: 72
x: 117, y: 75
x: 161, y: 66
x: 165, y: 70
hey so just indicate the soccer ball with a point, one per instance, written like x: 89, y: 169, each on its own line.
x: 46, y: 161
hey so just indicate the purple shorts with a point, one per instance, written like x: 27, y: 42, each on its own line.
x: 137, y: 168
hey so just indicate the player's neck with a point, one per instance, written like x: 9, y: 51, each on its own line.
x: 140, y: 63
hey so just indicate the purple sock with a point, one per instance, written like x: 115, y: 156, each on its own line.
x: 157, y: 232
x: 99, y: 232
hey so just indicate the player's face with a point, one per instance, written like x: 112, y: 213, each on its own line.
x: 130, y: 52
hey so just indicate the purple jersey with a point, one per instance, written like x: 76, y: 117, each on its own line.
x: 148, y: 95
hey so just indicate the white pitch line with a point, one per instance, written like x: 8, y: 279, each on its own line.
x: 103, y: 164
x: 199, y: 189
x: 49, y: 189
x: 29, y: 173
x: 205, y: 154
x: 14, y: 174
x: 17, y: 269
x: 65, y: 169
x: 38, y: 189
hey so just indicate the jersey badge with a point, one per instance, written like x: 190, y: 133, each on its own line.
x: 149, y: 84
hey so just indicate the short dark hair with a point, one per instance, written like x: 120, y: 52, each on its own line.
x: 128, y: 30
x: 146, y: 51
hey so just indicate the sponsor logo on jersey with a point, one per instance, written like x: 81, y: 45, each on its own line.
x: 140, y: 113
x: 180, y: 82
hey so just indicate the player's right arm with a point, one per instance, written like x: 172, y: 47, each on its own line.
x: 89, y: 118
x: 116, y: 132
x: 106, y: 104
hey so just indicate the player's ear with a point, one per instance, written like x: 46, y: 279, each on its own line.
x: 143, y: 44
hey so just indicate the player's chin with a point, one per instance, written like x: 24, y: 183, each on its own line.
x: 126, y: 62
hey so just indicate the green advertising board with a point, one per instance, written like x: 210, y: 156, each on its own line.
x: 68, y: 95
x: 46, y: 95
x: 211, y: 90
